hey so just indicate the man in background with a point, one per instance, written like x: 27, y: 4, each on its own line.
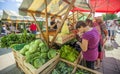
x: 53, y: 24
x: 33, y: 28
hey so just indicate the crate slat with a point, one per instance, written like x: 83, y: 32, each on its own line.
x: 90, y: 70
x: 52, y: 66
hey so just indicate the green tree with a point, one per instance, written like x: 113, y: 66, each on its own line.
x: 0, y: 26
x: 109, y: 16
x: 119, y: 20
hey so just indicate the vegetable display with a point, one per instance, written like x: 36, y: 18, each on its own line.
x: 75, y: 45
x: 17, y: 47
x: 62, y: 68
x: 68, y: 53
x: 81, y: 71
x: 37, y: 53
x: 10, y: 39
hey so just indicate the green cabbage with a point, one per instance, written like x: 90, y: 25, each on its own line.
x: 23, y: 50
x: 38, y: 62
x: 27, y: 53
x: 43, y: 55
x: 33, y: 48
x: 51, y: 53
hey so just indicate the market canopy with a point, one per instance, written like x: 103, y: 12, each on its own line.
x: 10, y: 16
x: 28, y: 18
x: 54, y: 7
x: 105, y: 6
x: 13, y: 16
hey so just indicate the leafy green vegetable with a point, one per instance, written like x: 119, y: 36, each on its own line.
x: 43, y: 47
x: 37, y: 63
x: 55, y: 72
x: 32, y: 56
x: 68, y: 53
x: 27, y: 53
x: 37, y: 53
x: 33, y: 48
x: 80, y: 71
x: 62, y: 68
x: 43, y: 55
x: 18, y: 46
x: 38, y: 42
x: 51, y: 53
x: 10, y: 39
x: 23, y: 50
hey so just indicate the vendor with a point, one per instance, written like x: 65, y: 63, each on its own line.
x: 53, y: 24
x: 89, y: 44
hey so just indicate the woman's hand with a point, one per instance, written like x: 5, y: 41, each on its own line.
x: 80, y: 34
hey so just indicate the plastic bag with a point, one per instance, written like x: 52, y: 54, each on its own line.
x: 65, y: 29
x: 108, y: 45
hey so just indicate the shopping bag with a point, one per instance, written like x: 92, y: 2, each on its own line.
x: 108, y: 45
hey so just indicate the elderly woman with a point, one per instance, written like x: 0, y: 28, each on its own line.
x: 89, y: 44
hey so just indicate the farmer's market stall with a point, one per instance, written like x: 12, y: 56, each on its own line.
x: 36, y: 58
x: 39, y: 56
x: 11, y: 17
x: 17, y: 21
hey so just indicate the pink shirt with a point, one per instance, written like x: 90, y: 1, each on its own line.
x: 93, y: 39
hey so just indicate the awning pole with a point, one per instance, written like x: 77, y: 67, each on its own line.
x: 93, y: 14
x: 16, y: 25
x: 89, y: 15
x: 63, y: 20
x: 77, y: 15
x: 73, y: 17
x: 47, y: 33
x: 39, y: 29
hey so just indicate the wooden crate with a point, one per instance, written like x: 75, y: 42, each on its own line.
x: 75, y: 66
x: 61, y: 39
x: 53, y: 65
x: 29, y: 69
x: 18, y: 57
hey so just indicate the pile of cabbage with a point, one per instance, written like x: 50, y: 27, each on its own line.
x: 37, y: 53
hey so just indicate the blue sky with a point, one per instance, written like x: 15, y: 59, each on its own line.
x: 10, y: 5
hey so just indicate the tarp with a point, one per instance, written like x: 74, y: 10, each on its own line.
x: 76, y: 15
x: 55, y: 7
x: 11, y: 16
x: 105, y: 6
x: 28, y: 18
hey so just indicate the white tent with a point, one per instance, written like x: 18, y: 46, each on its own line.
x: 13, y: 16
x: 55, y: 7
x: 10, y: 16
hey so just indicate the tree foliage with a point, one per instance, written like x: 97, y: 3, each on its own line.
x: 109, y: 16
x: 119, y: 20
